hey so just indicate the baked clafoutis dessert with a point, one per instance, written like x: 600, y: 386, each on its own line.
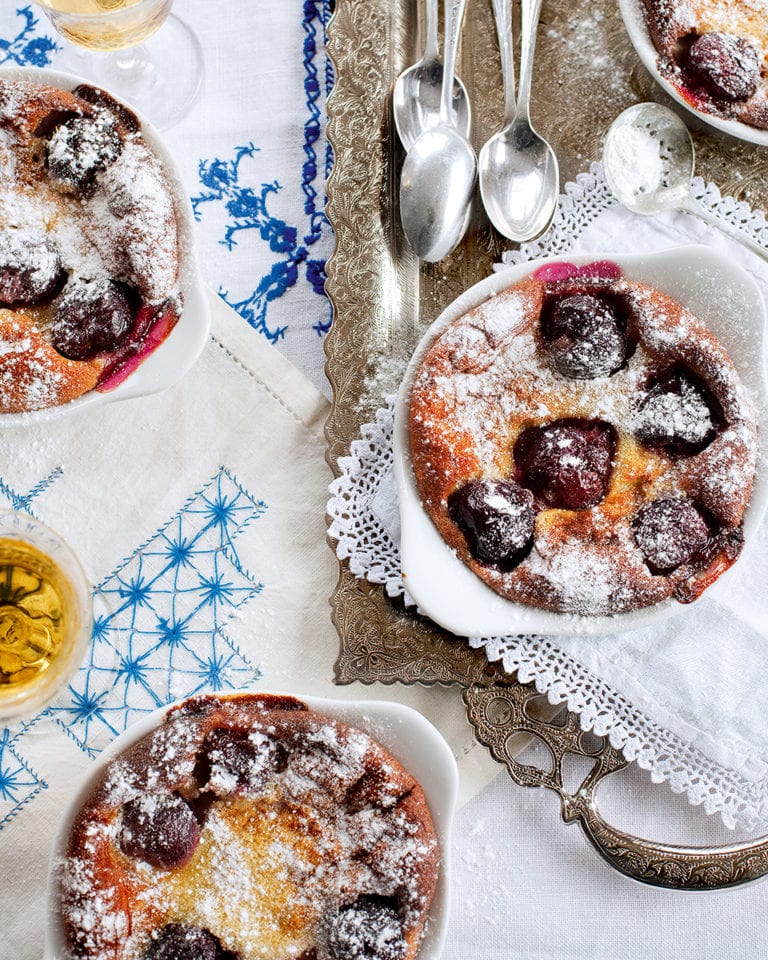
x: 250, y: 828
x: 715, y: 53
x: 89, y: 245
x: 583, y: 443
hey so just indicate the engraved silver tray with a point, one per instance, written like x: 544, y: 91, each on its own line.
x: 383, y: 301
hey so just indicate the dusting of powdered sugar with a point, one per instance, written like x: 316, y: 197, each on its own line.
x: 25, y: 251
x: 123, y: 229
x: 585, y: 46
x: 584, y: 579
x: 80, y: 146
x: 273, y: 863
x: 685, y: 415
x: 130, y: 220
x: 673, y: 22
x: 488, y: 381
x: 26, y: 375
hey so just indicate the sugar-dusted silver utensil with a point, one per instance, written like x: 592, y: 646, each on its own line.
x: 440, y: 169
x: 519, y: 175
x: 649, y: 160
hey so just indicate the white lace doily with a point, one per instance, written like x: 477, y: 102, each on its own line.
x: 589, y: 197
x: 722, y: 764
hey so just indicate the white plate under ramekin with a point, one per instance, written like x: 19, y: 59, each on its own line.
x: 168, y: 363
x: 408, y: 736
x: 720, y: 294
x: 634, y: 20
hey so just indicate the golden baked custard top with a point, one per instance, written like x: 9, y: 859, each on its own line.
x: 250, y: 828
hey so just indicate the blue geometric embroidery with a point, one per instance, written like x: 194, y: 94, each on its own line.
x: 24, y: 49
x: 158, y: 626
x: 23, y: 501
x: 18, y: 782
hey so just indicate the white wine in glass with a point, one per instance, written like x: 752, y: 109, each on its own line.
x: 46, y: 615
x: 159, y: 75
x: 107, y: 24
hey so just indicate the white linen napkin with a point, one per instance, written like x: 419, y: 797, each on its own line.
x: 686, y: 699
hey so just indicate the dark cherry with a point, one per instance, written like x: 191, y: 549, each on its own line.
x: 567, y: 463
x: 100, y: 98
x: 728, y: 67
x: 50, y: 121
x: 669, y: 532
x: 92, y: 317
x: 80, y: 148
x: 180, y: 942
x: 368, y: 929
x: 675, y: 415
x: 584, y: 337
x: 496, y: 517
x: 31, y: 271
x: 240, y: 761
x: 159, y: 829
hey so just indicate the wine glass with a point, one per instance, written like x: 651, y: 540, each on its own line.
x: 46, y: 615
x: 120, y: 49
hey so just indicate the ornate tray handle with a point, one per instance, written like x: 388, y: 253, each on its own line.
x: 506, y: 718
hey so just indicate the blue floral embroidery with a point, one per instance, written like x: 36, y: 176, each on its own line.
x: 25, y: 48
x: 247, y: 210
x: 247, y: 207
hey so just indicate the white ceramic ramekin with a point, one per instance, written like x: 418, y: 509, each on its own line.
x: 408, y: 736
x: 444, y: 588
x: 177, y: 353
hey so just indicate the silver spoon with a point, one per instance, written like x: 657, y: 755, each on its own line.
x: 649, y: 159
x: 440, y: 169
x: 416, y: 97
x: 519, y: 176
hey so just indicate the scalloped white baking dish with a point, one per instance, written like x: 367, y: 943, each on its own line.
x: 634, y: 21
x: 409, y: 737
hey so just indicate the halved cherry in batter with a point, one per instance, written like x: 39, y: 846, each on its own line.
x: 566, y: 463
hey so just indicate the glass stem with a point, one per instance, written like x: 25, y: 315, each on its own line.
x: 132, y: 63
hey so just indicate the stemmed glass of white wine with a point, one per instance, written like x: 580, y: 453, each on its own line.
x: 135, y: 49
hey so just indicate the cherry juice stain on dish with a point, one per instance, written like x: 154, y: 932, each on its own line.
x: 715, y: 52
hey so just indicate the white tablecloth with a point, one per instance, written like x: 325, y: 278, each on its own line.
x: 254, y: 158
